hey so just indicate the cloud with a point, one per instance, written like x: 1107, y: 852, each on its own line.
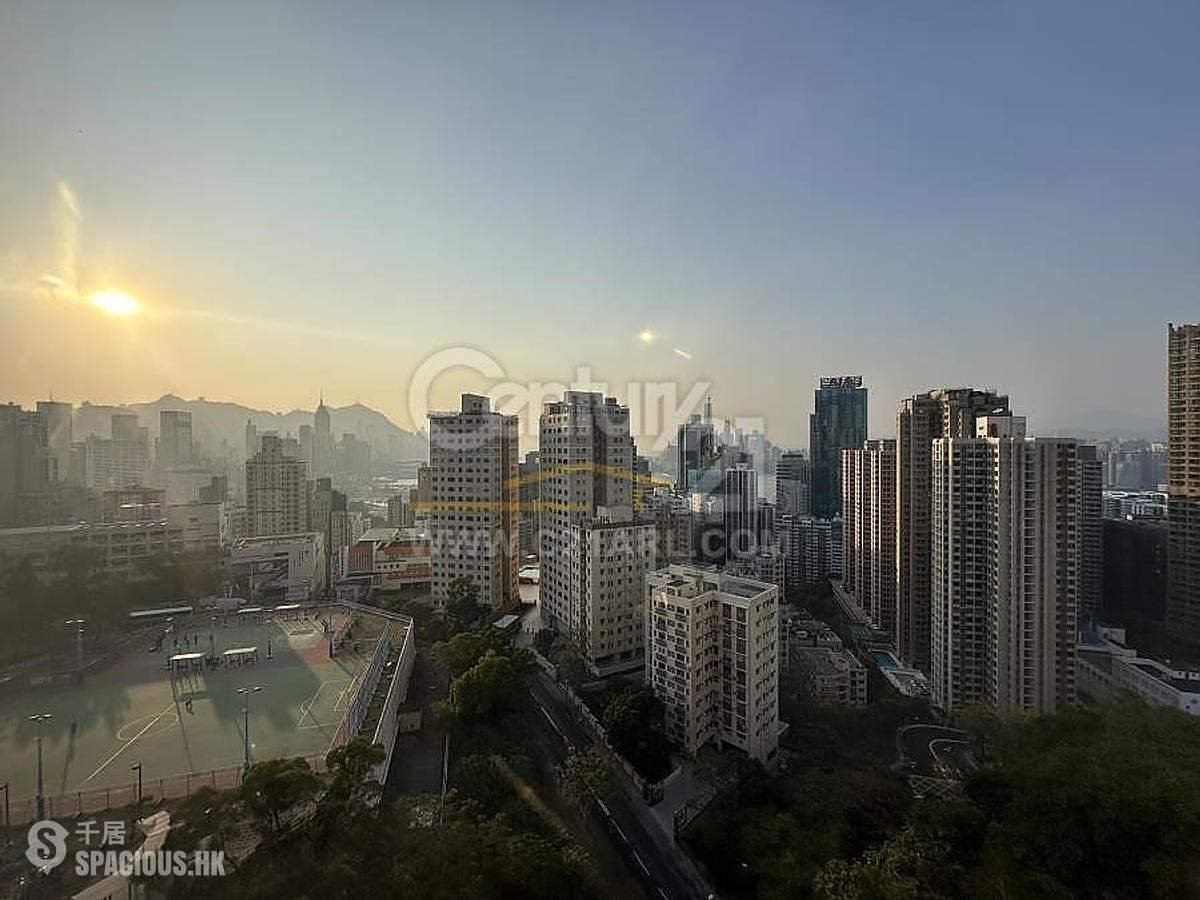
x: 679, y: 351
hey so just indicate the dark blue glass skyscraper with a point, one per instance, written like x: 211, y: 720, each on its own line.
x: 838, y: 422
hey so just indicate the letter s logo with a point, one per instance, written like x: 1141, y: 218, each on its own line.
x: 47, y: 844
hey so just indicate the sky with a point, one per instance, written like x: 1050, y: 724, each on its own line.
x: 731, y: 198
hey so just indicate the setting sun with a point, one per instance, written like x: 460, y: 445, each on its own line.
x: 116, y: 303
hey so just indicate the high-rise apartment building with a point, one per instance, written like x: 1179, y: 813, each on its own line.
x: 175, y: 447
x: 919, y: 421
x: 276, y: 491
x: 530, y: 473
x: 609, y: 562
x: 59, y: 435
x: 1183, y: 481
x: 120, y: 461
x: 399, y: 511
x: 1005, y: 568
x: 739, y: 506
x: 304, y: 434
x: 869, y: 529
x: 712, y: 648
x: 124, y: 427
x: 473, y: 501
x: 252, y: 443
x: 792, y: 484
x: 812, y: 549
x: 593, y: 553
x: 1091, y: 535
x: 26, y: 466
x: 586, y: 457
x: 838, y: 422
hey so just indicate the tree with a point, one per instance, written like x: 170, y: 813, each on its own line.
x: 465, y: 649
x: 586, y: 775
x: 353, y: 768
x: 544, y: 640
x: 633, y: 721
x: 272, y: 787
x: 207, y: 818
x: 462, y: 604
x: 487, y: 691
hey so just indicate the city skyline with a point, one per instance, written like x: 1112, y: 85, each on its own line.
x: 821, y: 187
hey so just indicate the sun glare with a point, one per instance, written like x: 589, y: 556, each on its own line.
x: 115, y: 303
x: 646, y: 336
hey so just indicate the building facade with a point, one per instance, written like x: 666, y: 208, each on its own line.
x: 869, y: 530
x: 712, y: 645
x: 945, y: 413
x: 473, y: 502
x: 1006, y: 559
x: 838, y: 422
x: 276, y: 491
x: 609, y: 563
x: 175, y: 444
x: 812, y: 549
x: 586, y: 467
x: 792, y: 484
x: 1183, y: 481
x: 279, y: 568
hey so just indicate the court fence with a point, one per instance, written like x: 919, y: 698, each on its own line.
x: 154, y: 790
x: 177, y: 787
x: 364, y: 691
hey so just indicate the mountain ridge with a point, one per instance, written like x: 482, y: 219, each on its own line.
x: 217, y: 421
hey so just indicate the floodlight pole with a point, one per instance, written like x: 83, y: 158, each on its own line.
x: 246, y: 692
x: 39, y: 721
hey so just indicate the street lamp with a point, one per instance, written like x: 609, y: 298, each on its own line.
x: 138, y: 768
x: 40, y: 721
x: 245, y: 692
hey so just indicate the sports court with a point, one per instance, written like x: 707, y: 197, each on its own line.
x: 136, y: 711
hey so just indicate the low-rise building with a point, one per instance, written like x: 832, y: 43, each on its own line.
x: 282, y: 567
x: 1108, y: 668
x: 201, y: 526
x: 798, y: 629
x: 391, y: 558
x: 132, y: 504
x: 122, y: 547
x: 831, y: 676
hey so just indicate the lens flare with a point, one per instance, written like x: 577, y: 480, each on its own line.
x: 115, y: 303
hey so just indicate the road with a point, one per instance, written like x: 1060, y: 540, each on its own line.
x: 655, y: 867
x: 918, y: 747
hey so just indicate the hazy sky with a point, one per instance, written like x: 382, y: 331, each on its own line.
x: 309, y: 197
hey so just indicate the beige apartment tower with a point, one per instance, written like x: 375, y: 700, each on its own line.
x: 945, y: 413
x: 1006, y: 556
x: 473, y: 502
x: 712, y: 656
x: 593, y: 553
x: 276, y: 491
x: 869, y: 529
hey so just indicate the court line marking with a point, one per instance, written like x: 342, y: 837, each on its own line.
x: 306, y: 708
x: 104, y: 765
x: 120, y: 735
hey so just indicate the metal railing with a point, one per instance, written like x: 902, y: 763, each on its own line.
x: 97, y: 800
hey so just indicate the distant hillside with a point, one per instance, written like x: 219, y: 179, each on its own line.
x: 215, y: 421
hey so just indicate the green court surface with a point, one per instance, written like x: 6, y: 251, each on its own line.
x: 134, y: 711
